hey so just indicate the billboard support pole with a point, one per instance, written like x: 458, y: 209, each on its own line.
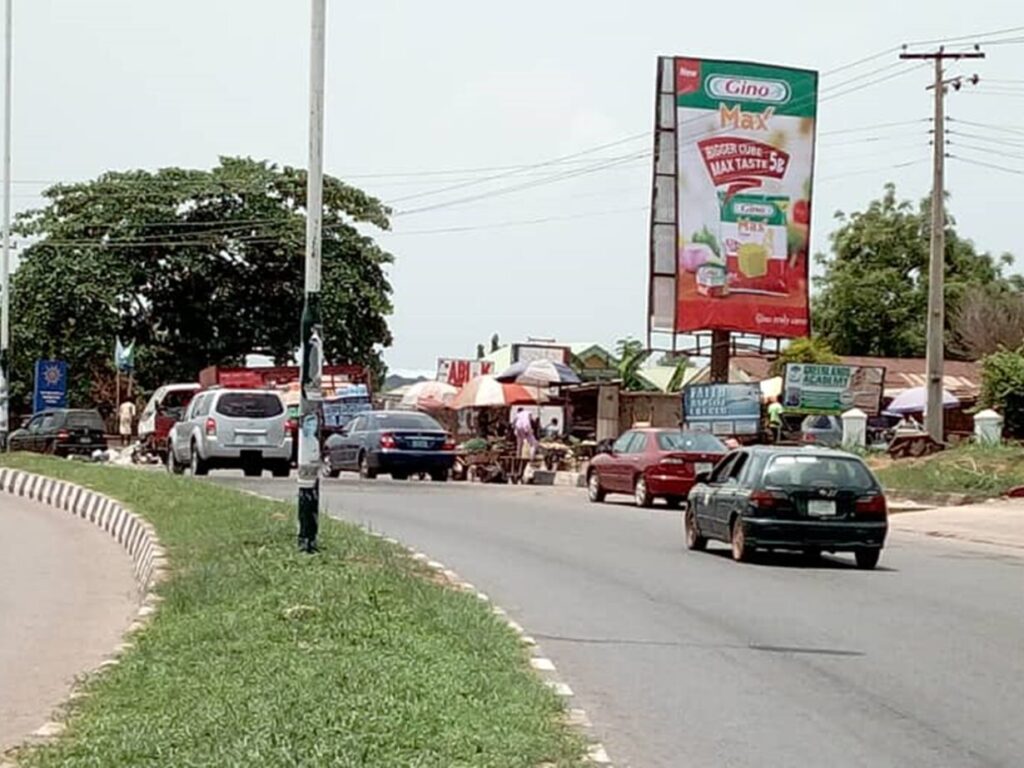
x: 720, y: 356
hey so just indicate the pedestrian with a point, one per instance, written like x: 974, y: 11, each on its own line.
x: 775, y: 411
x: 552, y: 431
x: 126, y: 415
x: 526, y: 440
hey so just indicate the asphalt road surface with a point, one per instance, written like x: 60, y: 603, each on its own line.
x: 66, y: 594
x: 688, y: 659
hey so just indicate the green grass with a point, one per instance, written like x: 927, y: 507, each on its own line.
x: 260, y: 656
x: 971, y: 469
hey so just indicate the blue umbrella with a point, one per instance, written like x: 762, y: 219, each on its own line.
x: 915, y: 400
x: 539, y: 373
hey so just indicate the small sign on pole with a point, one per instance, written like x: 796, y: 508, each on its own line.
x: 51, y: 385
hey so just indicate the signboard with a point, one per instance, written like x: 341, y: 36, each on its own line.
x: 51, y: 387
x: 733, y: 178
x: 814, y: 388
x: 346, y: 405
x: 458, y: 372
x: 527, y: 353
x: 723, y: 409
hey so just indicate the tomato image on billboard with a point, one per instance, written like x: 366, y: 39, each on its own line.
x: 745, y: 167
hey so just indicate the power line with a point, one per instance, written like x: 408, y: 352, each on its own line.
x: 988, y: 126
x: 863, y: 171
x: 876, y: 126
x: 993, y: 166
x: 519, y: 222
x: 987, y: 150
x: 992, y: 140
x: 978, y: 36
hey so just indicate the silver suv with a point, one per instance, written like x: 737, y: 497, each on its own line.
x: 243, y: 429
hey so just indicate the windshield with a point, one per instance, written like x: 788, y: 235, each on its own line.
x: 834, y: 471
x: 405, y: 421
x: 693, y: 442
x: 250, y: 405
x: 83, y: 420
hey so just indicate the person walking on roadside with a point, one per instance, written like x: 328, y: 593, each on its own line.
x: 775, y: 411
x: 526, y: 440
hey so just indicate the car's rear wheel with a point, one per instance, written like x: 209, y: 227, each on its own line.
x: 811, y: 554
x: 867, y: 558
x: 365, y: 471
x: 197, y: 465
x: 694, y: 540
x: 594, y: 490
x: 173, y: 465
x: 738, y: 542
x: 281, y: 468
x: 673, y: 502
x: 327, y: 469
x: 252, y: 470
x: 399, y: 476
x: 439, y: 476
x: 641, y: 493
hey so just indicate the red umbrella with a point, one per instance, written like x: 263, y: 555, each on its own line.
x: 485, y: 391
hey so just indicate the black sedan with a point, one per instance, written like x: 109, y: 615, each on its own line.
x: 61, y: 432
x: 806, y: 499
x: 398, y: 443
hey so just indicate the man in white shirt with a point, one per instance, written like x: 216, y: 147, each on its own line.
x: 126, y: 415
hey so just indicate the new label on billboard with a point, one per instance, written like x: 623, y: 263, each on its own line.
x: 527, y: 353
x: 814, y: 388
x: 458, y: 372
x: 723, y: 409
x: 741, y: 204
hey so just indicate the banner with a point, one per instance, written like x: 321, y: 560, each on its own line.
x: 124, y: 356
x: 51, y: 385
x: 814, y: 388
x: 723, y: 409
x: 458, y: 372
x: 745, y: 155
x: 527, y: 353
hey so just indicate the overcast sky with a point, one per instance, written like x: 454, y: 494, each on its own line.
x: 416, y: 87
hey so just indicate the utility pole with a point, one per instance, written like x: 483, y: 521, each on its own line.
x: 935, y: 341
x: 311, y: 333
x: 5, y: 259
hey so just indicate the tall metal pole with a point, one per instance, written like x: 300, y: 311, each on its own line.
x: 311, y: 334
x: 5, y: 260
x: 935, y: 339
x: 934, y: 343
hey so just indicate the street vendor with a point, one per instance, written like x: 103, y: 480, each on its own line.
x: 552, y: 431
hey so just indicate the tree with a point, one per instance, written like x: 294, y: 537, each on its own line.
x: 632, y: 355
x: 805, y: 350
x: 989, y: 318
x: 480, y: 354
x: 872, y: 298
x: 495, y: 343
x: 198, y: 268
x: 1002, y: 387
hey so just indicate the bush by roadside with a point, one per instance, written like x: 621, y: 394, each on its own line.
x: 263, y: 656
x: 975, y: 471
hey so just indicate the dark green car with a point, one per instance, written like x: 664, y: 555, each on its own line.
x: 811, y: 500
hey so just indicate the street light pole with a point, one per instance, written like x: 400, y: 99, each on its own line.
x: 311, y: 334
x: 5, y: 259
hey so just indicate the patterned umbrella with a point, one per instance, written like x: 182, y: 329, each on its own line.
x: 915, y: 399
x: 484, y: 391
x: 429, y: 395
x: 539, y: 373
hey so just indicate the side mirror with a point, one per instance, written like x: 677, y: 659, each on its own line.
x: 703, y: 477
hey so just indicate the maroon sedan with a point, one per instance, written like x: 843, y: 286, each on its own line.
x: 653, y: 463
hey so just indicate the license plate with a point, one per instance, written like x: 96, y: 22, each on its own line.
x: 419, y: 443
x: 249, y: 439
x: 84, y: 440
x: 703, y: 466
x: 821, y: 508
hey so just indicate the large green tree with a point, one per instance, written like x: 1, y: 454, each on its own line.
x: 198, y: 267
x: 872, y: 298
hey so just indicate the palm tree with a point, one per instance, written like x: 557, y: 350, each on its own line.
x: 631, y: 357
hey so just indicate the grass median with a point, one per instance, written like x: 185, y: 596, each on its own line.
x: 263, y: 656
x: 971, y: 470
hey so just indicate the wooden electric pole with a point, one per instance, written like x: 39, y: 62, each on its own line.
x: 934, y: 344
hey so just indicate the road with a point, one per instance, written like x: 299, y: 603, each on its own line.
x: 688, y: 659
x: 66, y: 594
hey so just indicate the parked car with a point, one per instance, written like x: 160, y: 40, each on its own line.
x: 61, y: 432
x: 789, y: 498
x: 653, y: 463
x: 398, y: 443
x: 822, y: 430
x: 232, y: 429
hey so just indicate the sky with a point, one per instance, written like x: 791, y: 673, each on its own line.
x: 425, y: 96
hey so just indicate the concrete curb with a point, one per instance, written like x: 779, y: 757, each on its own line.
x: 135, y: 535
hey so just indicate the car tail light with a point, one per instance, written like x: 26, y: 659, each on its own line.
x: 63, y: 434
x: 449, y: 443
x: 673, y: 460
x: 768, y: 499
x: 809, y: 438
x: 387, y: 440
x: 291, y: 427
x: 211, y: 427
x: 872, y: 506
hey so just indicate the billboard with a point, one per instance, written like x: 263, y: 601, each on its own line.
x: 815, y: 388
x: 51, y: 386
x: 723, y: 409
x: 734, y: 158
x: 527, y: 353
x: 458, y: 372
